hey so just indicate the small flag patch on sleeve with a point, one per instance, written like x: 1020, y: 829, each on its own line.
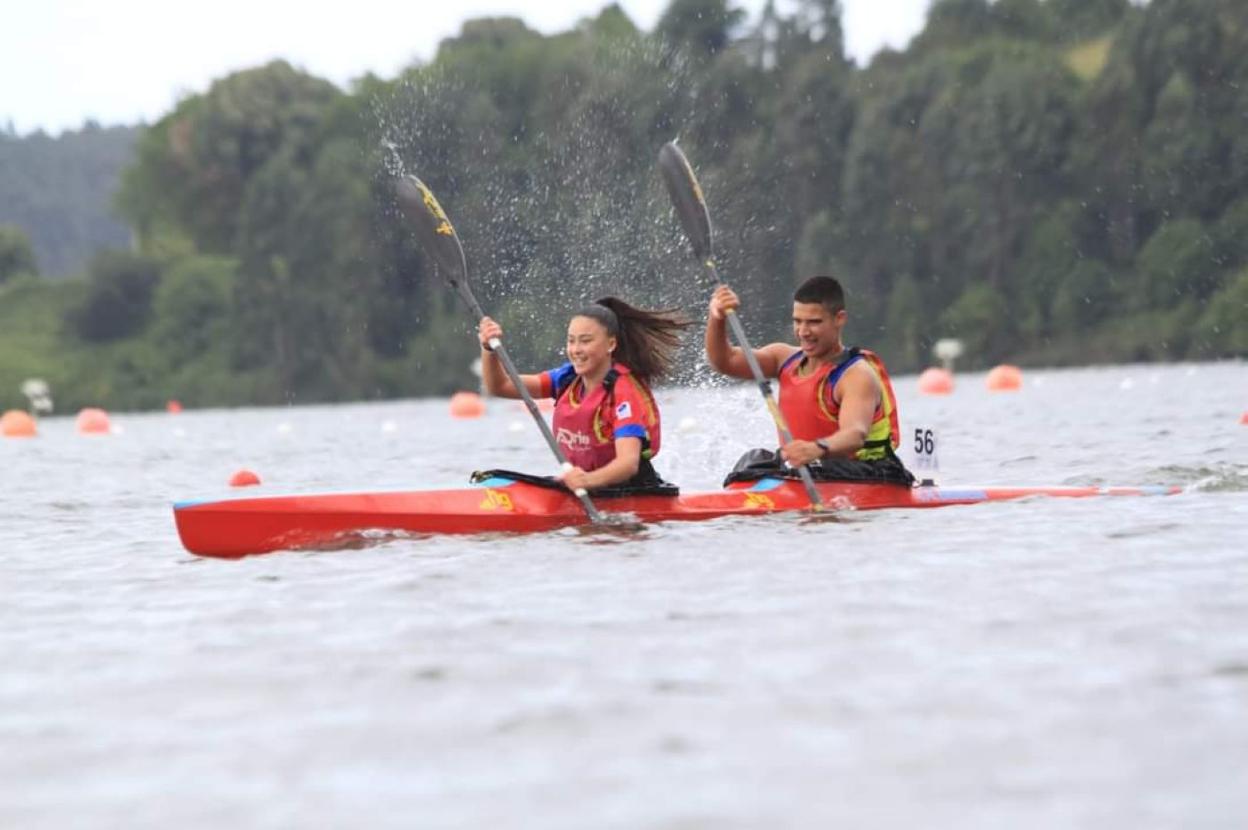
x: 624, y: 410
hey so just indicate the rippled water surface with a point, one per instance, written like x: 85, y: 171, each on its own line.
x: 1045, y: 663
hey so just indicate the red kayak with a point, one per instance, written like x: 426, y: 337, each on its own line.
x: 240, y: 527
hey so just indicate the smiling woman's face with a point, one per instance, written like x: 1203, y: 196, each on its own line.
x: 589, y: 345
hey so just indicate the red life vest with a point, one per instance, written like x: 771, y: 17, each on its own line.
x: 811, y: 410
x: 586, y: 426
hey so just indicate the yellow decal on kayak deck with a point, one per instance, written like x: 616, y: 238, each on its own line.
x: 496, y: 500
x: 757, y: 501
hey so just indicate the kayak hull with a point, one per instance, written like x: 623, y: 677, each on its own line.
x: 234, y: 528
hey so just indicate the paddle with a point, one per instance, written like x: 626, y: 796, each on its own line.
x: 694, y: 216
x: 439, y: 240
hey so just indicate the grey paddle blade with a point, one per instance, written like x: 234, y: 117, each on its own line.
x: 436, y: 234
x: 687, y: 199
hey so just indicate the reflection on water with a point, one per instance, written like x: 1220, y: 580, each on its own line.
x: 1034, y: 664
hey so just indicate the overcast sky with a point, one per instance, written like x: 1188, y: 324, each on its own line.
x: 125, y: 61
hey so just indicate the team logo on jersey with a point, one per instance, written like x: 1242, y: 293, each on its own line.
x: 572, y: 440
x: 624, y: 410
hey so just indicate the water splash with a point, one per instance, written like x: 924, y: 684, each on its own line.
x: 1218, y: 478
x: 559, y: 203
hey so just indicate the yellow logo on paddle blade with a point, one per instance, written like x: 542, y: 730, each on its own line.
x: 757, y: 501
x: 431, y: 204
x: 496, y: 500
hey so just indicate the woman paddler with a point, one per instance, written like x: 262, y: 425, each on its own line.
x: 606, y: 420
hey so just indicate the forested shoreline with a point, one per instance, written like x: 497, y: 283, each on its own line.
x: 1054, y: 182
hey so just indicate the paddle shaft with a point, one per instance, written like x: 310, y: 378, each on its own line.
x: 764, y: 386
x: 440, y: 241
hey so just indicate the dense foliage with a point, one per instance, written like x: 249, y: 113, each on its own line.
x: 1059, y: 181
x: 59, y: 190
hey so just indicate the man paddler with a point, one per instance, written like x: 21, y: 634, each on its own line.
x: 838, y: 402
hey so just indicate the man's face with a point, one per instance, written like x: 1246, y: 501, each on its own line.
x: 818, y: 330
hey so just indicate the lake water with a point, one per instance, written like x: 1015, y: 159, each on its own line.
x: 1044, y: 663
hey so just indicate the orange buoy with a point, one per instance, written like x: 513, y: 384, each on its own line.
x: 17, y: 424
x: 93, y: 421
x: 467, y: 405
x: 936, y: 381
x: 1243, y: 419
x: 173, y: 407
x: 244, y: 478
x: 1004, y: 378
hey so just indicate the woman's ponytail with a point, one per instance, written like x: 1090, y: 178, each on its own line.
x: 646, y: 341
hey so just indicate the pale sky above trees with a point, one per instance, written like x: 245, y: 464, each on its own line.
x: 66, y: 61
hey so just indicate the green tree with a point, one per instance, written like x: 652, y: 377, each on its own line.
x: 904, y: 331
x: 980, y: 319
x: 16, y: 255
x: 1084, y: 297
x: 1180, y: 145
x: 118, y: 301
x: 816, y: 114
x: 704, y: 27
x: 1024, y: 19
x: 192, y: 306
x: 1077, y: 20
x: 1230, y: 236
x: 1001, y: 132
x: 1177, y: 263
x: 59, y: 190
x: 953, y: 23
x: 194, y: 165
x: 1223, y: 327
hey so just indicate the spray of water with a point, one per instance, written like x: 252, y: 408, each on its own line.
x: 561, y: 203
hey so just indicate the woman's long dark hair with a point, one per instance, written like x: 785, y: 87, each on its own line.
x: 645, y: 341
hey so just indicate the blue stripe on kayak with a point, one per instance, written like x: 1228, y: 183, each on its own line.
x: 765, y: 484
x: 178, y: 505
x: 495, y: 481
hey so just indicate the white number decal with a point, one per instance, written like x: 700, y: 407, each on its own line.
x: 925, y: 451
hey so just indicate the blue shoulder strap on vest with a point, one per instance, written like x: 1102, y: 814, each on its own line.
x: 851, y: 356
x: 561, y: 379
x: 608, y: 383
x: 797, y: 354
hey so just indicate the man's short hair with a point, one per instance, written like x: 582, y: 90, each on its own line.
x: 823, y: 290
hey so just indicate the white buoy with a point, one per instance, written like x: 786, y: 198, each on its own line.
x: 947, y: 350
x: 40, y: 396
